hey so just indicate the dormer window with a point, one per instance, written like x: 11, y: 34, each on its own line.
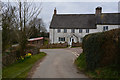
x: 59, y: 30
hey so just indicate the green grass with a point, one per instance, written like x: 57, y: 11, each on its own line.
x: 21, y: 69
x: 81, y: 62
x: 104, y: 72
x: 46, y: 42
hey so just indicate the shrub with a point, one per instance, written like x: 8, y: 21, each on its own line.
x: 77, y: 44
x: 102, y: 49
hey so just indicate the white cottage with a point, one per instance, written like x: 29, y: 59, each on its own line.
x: 73, y: 27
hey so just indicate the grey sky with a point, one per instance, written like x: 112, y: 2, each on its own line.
x: 74, y: 8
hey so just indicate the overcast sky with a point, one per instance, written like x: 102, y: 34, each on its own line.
x: 74, y: 7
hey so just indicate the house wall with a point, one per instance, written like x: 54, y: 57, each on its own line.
x: 54, y: 35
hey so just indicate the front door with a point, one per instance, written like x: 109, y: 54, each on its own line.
x: 71, y: 40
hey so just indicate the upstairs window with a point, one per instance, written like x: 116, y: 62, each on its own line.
x: 59, y: 30
x: 87, y: 30
x: 65, y: 30
x: 61, y: 38
x: 105, y: 28
x: 72, y: 30
x: 80, y: 30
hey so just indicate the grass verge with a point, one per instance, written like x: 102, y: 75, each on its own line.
x: 108, y: 72
x: 21, y: 69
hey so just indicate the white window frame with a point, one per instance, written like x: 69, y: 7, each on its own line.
x: 65, y: 30
x: 61, y: 39
x: 80, y: 30
x: 105, y: 28
x: 87, y: 31
x: 58, y: 30
x: 72, y: 30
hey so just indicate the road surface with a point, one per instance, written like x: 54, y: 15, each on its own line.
x: 59, y: 63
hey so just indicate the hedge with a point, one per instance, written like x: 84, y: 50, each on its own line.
x: 102, y: 49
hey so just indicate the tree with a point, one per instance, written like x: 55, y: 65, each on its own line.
x: 37, y: 27
x: 26, y: 12
x: 8, y: 23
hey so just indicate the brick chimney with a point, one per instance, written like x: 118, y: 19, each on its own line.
x: 98, y: 10
x: 55, y: 11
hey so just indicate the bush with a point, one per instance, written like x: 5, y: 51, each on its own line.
x: 56, y: 45
x: 102, y: 49
x: 76, y: 44
x: 14, y: 55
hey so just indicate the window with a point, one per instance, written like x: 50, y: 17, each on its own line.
x: 81, y: 39
x: 118, y: 26
x: 61, y: 38
x: 105, y: 28
x: 80, y: 30
x: 59, y: 30
x: 72, y: 30
x: 65, y: 30
x: 87, y: 30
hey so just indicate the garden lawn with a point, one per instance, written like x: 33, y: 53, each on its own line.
x: 21, y: 69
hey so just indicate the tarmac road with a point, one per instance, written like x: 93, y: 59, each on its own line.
x: 59, y: 63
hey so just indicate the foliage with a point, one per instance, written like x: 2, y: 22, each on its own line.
x: 107, y: 72
x: 28, y: 55
x: 21, y: 69
x: 78, y: 44
x: 102, y: 49
x: 8, y: 23
x: 17, y: 25
x: 56, y: 45
x: 81, y: 62
x: 12, y: 56
x: 37, y: 27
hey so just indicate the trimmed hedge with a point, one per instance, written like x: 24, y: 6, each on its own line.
x: 102, y: 49
x: 56, y: 45
x: 76, y: 44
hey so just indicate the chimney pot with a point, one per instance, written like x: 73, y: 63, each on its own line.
x: 98, y: 10
x: 55, y: 11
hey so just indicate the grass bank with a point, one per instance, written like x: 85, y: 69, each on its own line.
x: 108, y: 72
x: 21, y: 69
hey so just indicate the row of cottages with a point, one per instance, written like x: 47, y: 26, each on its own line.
x: 73, y: 27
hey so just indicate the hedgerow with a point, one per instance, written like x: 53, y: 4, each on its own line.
x: 102, y: 49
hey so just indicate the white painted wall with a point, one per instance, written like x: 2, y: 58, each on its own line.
x: 54, y: 35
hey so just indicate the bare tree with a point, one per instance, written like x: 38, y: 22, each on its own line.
x: 8, y: 23
x: 37, y: 26
x: 26, y: 12
x: 18, y: 18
